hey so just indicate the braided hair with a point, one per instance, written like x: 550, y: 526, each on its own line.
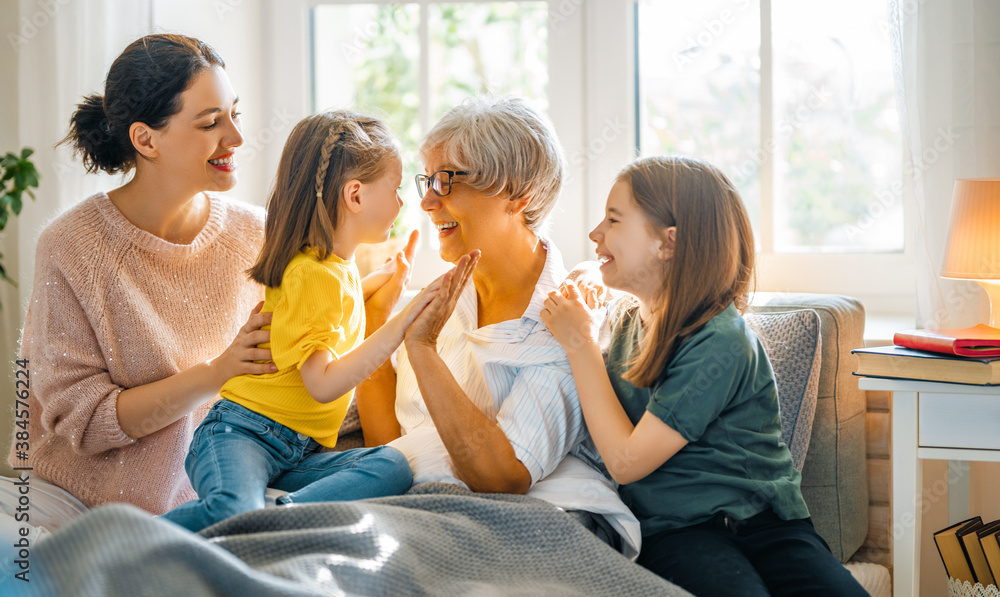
x: 323, y: 153
x: 322, y: 215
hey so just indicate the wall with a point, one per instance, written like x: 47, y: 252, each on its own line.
x: 234, y: 29
x: 10, y: 314
x: 878, y: 544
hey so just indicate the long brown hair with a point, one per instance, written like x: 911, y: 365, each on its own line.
x: 323, y: 152
x: 713, y: 260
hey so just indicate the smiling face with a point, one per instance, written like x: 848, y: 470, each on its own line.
x: 466, y: 218
x: 196, y: 147
x: 632, y: 254
x: 381, y: 203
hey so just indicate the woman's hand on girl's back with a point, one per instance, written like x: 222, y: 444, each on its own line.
x: 241, y: 355
x: 570, y: 318
x: 383, y: 287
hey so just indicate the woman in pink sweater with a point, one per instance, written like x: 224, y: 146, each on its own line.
x: 139, y: 292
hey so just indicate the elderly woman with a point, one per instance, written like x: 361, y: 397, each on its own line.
x: 483, y: 395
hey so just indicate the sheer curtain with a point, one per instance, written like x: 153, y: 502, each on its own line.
x: 947, y: 63
x: 66, y: 58
x: 946, y: 54
x: 60, y: 51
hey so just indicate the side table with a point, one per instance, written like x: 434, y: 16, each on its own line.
x: 933, y: 421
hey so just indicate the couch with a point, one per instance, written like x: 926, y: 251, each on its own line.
x: 448, y: 542
x: 824, y: 406
x: 834, y: 474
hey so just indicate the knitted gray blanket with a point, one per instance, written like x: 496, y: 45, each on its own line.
x: 437, y: 540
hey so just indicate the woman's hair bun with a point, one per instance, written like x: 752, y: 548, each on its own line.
x: 91, y: 134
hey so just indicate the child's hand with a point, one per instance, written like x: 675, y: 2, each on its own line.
x: 399, y: 263
x: 379, y: 300
x: 570, y: 319
x: 413, y: 308
x: 426, y: 327
x: 589, y: 282
x: 378, y: 277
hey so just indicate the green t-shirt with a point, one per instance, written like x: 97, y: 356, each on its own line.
x: 719, y: 393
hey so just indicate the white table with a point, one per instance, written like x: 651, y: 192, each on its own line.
x: 935, y: 421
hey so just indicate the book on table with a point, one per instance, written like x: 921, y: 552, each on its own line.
x: 953, y: 556
x: 898, y: 362
x: 977, y: 341
x: 974, y: 551
x: 990, y: 542
x: 986, y: 573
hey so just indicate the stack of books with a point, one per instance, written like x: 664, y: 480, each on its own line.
x: 970, y: 551
x: 968, y: 355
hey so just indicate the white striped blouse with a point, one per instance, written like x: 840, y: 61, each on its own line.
x: 516, y: 373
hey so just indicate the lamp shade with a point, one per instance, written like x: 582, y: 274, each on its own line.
x: 973, y: 248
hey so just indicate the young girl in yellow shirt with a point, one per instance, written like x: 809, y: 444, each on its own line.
x: 336, y: 187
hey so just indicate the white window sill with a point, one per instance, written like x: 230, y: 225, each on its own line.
x: 880, y: 327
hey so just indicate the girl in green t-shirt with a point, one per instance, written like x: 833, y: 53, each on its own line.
x: 685, y: 411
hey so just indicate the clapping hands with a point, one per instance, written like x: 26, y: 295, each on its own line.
x: 568, y: 314
x: 424, y: 330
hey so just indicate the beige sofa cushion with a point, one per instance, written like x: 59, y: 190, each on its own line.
x: 793, y: 344
x: 834, y: 477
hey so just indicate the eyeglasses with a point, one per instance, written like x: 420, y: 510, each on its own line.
x: 440, y: 182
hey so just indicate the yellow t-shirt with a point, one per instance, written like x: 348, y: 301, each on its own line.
x: 319, y: 306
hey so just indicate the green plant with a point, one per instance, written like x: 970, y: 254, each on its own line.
x: 17, y: 176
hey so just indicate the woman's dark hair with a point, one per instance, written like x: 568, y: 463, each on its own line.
x: 144, y: 85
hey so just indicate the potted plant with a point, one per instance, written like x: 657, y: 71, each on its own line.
x: 17, y: 176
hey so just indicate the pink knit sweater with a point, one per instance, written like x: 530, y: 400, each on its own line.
x: 114, y: 307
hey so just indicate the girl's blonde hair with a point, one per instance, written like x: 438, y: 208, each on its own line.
x: 713, y: 261
x: 323, y: 152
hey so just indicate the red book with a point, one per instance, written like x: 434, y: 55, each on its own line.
x: 977, y: 341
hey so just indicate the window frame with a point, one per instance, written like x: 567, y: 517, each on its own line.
x: 292, y: 91
x: 592, y: 80
x: 884, y: 282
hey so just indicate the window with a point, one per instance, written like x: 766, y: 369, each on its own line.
x: 822, y: 141
x: 796, y: 103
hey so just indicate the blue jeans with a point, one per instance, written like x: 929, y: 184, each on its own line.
x: 760, y: 556
x: 237, y: 453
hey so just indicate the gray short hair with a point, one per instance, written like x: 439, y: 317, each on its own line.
x: 510, y: 148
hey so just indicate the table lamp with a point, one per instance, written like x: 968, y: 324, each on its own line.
x: 973, y: 248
